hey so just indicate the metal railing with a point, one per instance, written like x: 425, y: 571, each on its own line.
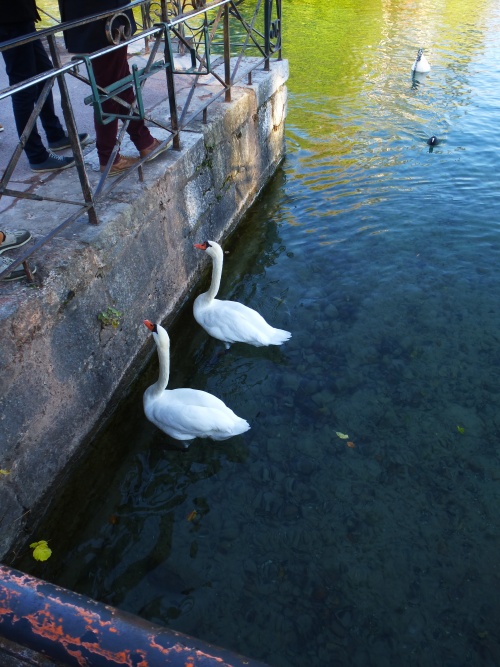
x: 75, y: 630
x: 219, y: 35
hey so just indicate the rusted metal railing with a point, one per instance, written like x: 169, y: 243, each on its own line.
x: 201, y: 28
x: 74, y: 630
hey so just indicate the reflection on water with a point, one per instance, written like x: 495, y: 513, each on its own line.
x: 292, y: 543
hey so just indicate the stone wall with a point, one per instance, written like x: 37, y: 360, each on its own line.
x: 61, y: 370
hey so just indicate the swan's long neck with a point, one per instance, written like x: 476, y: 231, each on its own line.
x: 164, y: 358
x: 216, y: 277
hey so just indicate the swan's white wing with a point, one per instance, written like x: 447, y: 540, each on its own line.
x: 189, y: 413
x: 233, y: 322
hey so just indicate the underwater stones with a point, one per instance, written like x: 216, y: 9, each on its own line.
x: 290, y: 382
x: 250, y: 567
x: 331, y: 311
x: 323, y: 399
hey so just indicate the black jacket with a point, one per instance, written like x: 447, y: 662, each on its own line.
x: 20, y: 10
x: 92, y: 36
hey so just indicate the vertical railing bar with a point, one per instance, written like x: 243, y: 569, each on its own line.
x: 279, y: 15
x: 28, y: 272
x: 69, y: 119
x: 227, y: 55
x: 267, y: 33
x: 169, y: 74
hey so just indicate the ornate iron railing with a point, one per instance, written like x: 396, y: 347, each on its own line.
x: 226, y: 40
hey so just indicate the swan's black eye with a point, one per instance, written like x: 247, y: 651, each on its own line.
x: 208, y: 244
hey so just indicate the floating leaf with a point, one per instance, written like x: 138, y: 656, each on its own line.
x: 351, y: 444
x: 41, y: 550
x: 192, y: 515
x: 343, y: 436
x: 460, y: 429
x: 4, y: 472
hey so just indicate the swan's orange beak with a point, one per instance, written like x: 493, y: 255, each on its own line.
x: 201, y: 246
x: 149, y: 325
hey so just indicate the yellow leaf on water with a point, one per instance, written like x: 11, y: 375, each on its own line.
x: 460, y: 429
x: 4, y: 472
x: 343, y: 436
x: 41, y: 550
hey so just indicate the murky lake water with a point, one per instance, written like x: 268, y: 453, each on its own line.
x: 306, y: 548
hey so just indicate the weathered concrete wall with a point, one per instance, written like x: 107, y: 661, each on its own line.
x: 59, y: 368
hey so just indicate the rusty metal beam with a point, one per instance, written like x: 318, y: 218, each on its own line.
x: 76, y: 630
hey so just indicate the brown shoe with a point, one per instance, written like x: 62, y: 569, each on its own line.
x: 147, y: 151
x: 122, y: 164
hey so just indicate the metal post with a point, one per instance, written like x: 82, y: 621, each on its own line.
x: 69, y: 119
x: 280, y: 23
x: 74, y: 630
x: 227, y: 55
x: 169, y: 73
x: 267, y: 32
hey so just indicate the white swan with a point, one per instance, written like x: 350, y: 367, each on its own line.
x: 230, y: 321
x: 421, y: 63
x: 185, y: 414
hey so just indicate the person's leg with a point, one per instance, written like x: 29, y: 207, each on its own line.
x: 108, y: 69
x: 50, y: 122
x: 20, y: 65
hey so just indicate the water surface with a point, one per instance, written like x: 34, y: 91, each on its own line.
x: 292, y: 544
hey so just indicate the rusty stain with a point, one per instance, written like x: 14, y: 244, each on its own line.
x: 114, y: 638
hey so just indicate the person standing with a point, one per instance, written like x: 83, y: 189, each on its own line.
x: 108, y: 69
x: 23, y: 62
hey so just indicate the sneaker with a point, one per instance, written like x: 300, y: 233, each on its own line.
x: 53, y: 163
x: 15, y: 274
x: 122, y: 164
x: 1, y: 128
x: 14, y: 239
x: 147, y: 151
x: 63, y: 143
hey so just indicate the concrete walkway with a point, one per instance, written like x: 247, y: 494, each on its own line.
x: 38, y: 219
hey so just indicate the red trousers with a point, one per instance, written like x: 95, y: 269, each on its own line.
x: 107, y: 69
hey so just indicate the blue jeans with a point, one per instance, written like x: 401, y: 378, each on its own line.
x: 21, y: 63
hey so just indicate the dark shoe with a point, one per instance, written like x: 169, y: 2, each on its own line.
x: 14, y: 239
x: 53, y: 163
x: 122, y: 164
x: 65, y: 142
x: 1, y: 128
x: 17, y: 273
x: 147, y: 151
